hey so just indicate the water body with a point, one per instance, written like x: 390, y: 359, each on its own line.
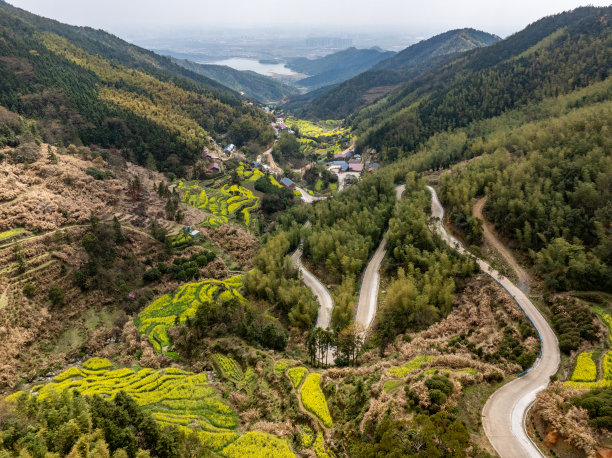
x: 268, y: 69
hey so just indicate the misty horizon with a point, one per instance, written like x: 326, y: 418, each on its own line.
x: 140, y: 19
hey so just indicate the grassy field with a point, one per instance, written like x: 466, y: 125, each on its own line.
x: 8, y: 234
x: 174, y: 398
x: 171, y: 309
x: 412, y: 365
x: 228, y: 204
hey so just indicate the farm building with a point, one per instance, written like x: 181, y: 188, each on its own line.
x: 213, y: 168
x: 342, y: 156
x: 195, y: 233
x: 209, y: 155
x: 287, y: 183
x: 229, y: 148
x: 355, y: 167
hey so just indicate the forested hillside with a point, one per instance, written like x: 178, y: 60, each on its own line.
x: 553, y: 56
x: 548, y: 188
x: 88, y: 87
x: 260, y: 87
x: 451, y: 42
x: 390, y: 73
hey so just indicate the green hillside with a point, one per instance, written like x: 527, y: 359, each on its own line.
x: 391, y: 73
x: 553, y: 56
x: 88, y: 87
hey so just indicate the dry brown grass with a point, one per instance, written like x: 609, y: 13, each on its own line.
x: 472, y: 315
x: 54, y: 203
x: 551, y: 407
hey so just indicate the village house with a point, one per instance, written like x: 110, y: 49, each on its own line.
x: 287, y: 183
x: 213, y: 168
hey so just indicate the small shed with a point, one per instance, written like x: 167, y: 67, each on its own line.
x: 213, y: 168
x: 195, y: 233
x: 287, y: 183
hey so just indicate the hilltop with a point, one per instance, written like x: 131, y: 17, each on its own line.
x: 390, y: 73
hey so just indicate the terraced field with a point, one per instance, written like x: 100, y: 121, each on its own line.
x: 314, y: 399
x: 321, y: 137
x: 585, y: 373
x: 249, y: 175
x: 173, y: 397
x: 329, y: 128
x: 227, y: 204
x: 228, y: 369
x: 171, y: 309
x: 410, y: 366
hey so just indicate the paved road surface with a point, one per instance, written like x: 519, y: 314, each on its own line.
x: 307, y: 198
x: 503, y: 416
x: 368, y: 296
x: 326, y: 304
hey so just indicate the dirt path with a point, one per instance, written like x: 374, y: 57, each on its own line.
x: 272, y: 163
x: 491, y: 238
x: 368, y: 295
x: 503, y: 416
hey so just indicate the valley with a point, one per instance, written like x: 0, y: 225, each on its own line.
x: 387, y: 254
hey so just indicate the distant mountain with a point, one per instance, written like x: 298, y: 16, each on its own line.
x: 338, y: 67
x: 391, y: 73
x: 87, y: 86
x: 450, y: 42
x: 252, y: 84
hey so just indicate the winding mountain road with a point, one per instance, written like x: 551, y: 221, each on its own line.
x: 368, y: 295
x: 326, y: 303
x: 503, y: 416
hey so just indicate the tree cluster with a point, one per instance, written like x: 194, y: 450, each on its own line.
x: 69, y: 424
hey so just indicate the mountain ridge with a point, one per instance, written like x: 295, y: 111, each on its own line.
x: 399, y: 69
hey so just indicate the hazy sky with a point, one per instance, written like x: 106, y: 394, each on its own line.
x: 419, y: 16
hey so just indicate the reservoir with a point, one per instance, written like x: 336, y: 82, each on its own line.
x: 254, y: 65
